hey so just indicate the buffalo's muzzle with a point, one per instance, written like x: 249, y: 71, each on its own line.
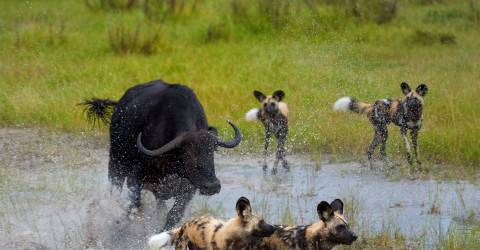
x: 211, y: 188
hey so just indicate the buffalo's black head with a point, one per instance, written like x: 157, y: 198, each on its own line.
x: 198, y: 149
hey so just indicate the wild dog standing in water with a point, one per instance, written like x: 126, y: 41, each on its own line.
x: 210, y: 233
x: 274, y: 115
x: 331, y: 230
x: 405, y: 113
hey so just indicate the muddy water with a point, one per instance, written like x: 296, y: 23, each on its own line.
x: 54, y: 194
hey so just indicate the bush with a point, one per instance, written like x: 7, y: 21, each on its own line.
x: 48, y: 32
x: 475, y: 11
x: 379, y: 11
x: 125, y: 40
x: 429, y: 2
x: 427, y: 38
x: 261, y: 14
x: 111, y: 4
x: 216, y: 32
x: 161, y: 9
x: 443, y: 16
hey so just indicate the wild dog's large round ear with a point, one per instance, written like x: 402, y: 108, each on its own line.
x: 324, y: 210
x: 243, y: 207
x: 405, y: 88
x: 337, y: 206
x: 259, y: 95
x: 422, y: 89
x: 278, y: 95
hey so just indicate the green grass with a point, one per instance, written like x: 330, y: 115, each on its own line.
x: 54, y: 54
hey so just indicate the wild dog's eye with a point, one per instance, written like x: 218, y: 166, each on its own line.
x: 341, y: 227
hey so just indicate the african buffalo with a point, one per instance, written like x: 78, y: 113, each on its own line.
x: 160, y: 141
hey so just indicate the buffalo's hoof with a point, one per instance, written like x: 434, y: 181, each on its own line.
x: 134, y: 213
x: 265, y: 167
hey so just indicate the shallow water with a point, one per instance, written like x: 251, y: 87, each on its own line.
x: 54, y: 192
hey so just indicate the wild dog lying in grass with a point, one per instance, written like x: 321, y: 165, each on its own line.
x: 274, y: 115
x: 405, y: 113
x: 210, y: 233
x: 331, y: 230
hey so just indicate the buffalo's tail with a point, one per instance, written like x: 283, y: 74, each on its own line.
x: 99, y: 110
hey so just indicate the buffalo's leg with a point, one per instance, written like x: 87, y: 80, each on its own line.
x: 407, y: 145
x: 414, y: 136
x: 268, y: 134
x: 134, y: 195
x: 176, y: 213
x: 116, y: 177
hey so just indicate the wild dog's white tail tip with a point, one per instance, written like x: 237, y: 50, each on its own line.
x: 160, y: 241
x: 343, y: 104
x: 252, y: 115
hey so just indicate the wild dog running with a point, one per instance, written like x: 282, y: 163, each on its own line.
x: 210, y: 233
x: 331, y: 230
x: 405, y: 113
x: 273, y: 113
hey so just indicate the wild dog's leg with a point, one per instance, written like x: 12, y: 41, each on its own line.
x: 407, y: 144
x: 383, y: 147
x: 414, y: 136
x: 176, y: 212
x: 377, y: 138
x: 280, y: 155
x: 268, y: 134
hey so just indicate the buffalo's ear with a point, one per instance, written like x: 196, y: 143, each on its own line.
x: 325, y: 211
x: 337, y: 206
x: 278, y: 95
x: 259, y: 95
x: 243, y: 207
x: 213, y: 131
x: 405, y: 88
x: 422, y: 89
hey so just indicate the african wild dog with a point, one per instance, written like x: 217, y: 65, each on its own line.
x: 210, y: 233
x: 331, y: 230
x: 405, y: 113
x: 274, y: 115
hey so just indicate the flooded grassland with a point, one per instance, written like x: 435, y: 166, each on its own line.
x: 54, y: 194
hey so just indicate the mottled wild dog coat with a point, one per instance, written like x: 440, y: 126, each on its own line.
x: 210, y: 233
x: 331, y: 230
x: 273, y: 113
x: 405, y: 113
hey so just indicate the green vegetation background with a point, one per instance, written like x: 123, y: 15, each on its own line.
x: 54, y: 54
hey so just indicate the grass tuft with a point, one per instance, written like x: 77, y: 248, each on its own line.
x: 141, y: 40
